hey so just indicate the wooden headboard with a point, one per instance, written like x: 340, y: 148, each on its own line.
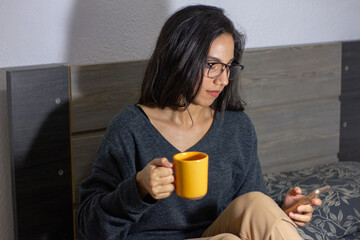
x: 292, y: 95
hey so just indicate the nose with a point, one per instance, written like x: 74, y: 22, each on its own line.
x: 222, y: 79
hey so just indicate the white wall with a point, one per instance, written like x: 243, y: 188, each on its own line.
x: 92, y: 31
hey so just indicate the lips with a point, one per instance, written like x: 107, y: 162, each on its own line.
x: 214, y: 93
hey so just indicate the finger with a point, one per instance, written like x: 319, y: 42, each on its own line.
x: 165, y: 179
x: 316, y: 202
x: 165, y: 163
x: 300, y: 218
x: 161, y: 172
x: 295, y: 191
x: 305, y: 209
x: 169, y: 179
x: 162, y: 195
x: 298, y: 198
x: 298, y: 190
x: 168, y: 188
x: 156, y: 162
x: 157, y: 182
x: 292, y: 204
x: 162, y: 191
x: 161, y: 162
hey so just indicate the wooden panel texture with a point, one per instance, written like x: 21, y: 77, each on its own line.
x: 85, y: 147
x: 350, y: 102
x: 297, y: 135
x: 292, y: 96
x: 350, y: 78
x: 99, y: 92
x: 38, y: 101
x: 291, y: 74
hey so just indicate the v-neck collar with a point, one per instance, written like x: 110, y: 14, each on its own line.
x: 208, y: 134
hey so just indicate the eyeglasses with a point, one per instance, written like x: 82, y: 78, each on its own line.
x: 214, y: 70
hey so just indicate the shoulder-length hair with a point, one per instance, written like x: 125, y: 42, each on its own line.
x: 175, y: 69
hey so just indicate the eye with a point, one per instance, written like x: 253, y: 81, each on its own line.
x: 209, y: 65
x: 214, y: 66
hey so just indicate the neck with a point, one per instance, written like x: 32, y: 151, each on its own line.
x: 194, y: 114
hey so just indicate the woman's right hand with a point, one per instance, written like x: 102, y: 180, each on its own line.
x: 156, y: 179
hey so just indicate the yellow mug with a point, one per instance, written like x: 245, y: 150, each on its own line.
x: 191, y: 174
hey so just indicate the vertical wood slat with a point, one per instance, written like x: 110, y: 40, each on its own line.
x: 350, y: 130
x: 38, y: 100
x: 350, y: 102
x: 350, y: 78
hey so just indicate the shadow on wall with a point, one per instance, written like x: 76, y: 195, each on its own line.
x: 100, y: 32
x: 111, y: 31
x: 114, y: 30
x: 40, y: 133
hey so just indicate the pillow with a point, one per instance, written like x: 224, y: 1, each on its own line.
x: 339, y: 215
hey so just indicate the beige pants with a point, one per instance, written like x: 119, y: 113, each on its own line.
x: 252, y: 216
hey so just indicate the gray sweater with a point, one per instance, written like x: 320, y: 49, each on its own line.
x: 110, y: 205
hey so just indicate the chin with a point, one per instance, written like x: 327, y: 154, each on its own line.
x: 206, y: 104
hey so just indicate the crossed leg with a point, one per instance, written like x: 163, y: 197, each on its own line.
x: 252, y: 216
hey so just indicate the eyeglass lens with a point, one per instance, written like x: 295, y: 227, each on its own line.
x: 216, y: 69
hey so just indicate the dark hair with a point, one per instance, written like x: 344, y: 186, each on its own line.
x: 180, y: 54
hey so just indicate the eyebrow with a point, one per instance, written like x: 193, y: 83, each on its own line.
x: 219, y: 60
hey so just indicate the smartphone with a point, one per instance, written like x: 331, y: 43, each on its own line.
x: 308, y: 199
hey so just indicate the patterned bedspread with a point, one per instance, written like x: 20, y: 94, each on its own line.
x: 339, y: 216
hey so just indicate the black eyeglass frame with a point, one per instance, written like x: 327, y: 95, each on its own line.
x: 228, y: 68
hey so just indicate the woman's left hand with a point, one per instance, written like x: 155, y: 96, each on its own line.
x: 303, y: 213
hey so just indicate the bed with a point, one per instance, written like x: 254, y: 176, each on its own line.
x: 339, y: 216
x: 308, y: 135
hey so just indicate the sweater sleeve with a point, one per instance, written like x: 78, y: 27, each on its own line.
x: 254, y: 180
x: 109, y: 199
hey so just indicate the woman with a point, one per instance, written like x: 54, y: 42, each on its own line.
x: 189, y: 101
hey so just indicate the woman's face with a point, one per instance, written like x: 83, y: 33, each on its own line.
x: 221, y: 51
